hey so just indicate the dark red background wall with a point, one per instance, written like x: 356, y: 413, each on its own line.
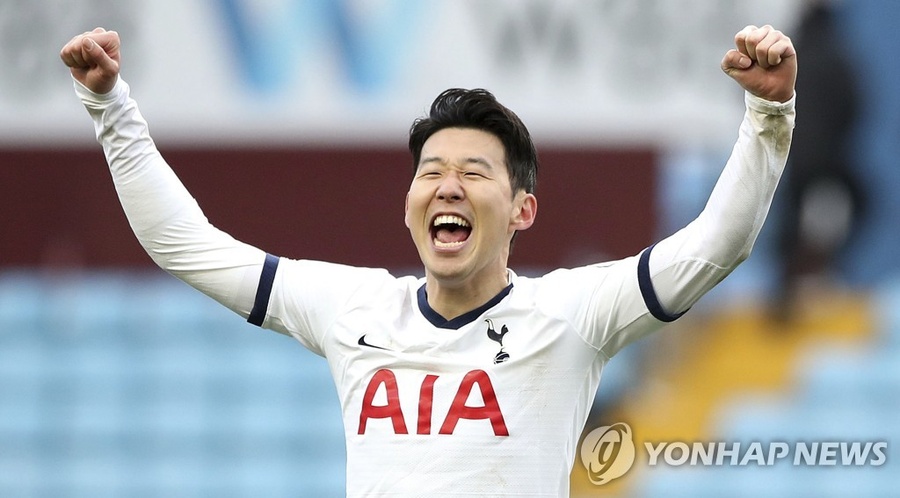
x: 345, y: 205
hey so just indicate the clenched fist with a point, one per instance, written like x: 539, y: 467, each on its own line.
x: 93, y: 58
x: 763, y: 62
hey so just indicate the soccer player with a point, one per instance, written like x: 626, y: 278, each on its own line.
x: 472, y: 380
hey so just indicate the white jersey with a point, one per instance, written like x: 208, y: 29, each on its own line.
x: 490, y: 403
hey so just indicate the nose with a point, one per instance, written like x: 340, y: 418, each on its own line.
x: 450, y: 188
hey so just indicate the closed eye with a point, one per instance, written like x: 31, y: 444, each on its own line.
x: 429, y: 174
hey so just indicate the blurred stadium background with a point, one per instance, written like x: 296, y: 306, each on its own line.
x: 288, y: 120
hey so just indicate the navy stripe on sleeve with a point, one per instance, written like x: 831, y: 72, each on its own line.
x: 647, y: 291
x: 263, y: 291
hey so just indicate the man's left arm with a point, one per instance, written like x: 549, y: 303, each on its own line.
x: 681, y: 268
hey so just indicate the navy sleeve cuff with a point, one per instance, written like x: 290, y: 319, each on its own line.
x: 647, y: 291
x: 263, y: 291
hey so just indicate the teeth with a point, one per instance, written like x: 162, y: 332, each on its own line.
x: 449, y: 219
x: 440, y: 244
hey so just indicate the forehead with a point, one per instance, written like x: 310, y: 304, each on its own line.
x: 463, y: 145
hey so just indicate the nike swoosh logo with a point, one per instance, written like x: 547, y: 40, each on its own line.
x: 362, y: 342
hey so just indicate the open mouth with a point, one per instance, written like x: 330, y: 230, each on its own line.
x: 449, y: 231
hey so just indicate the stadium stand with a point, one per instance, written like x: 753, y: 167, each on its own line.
x: 832, y: 376
x: 117, y: 384
x: 132, y: 384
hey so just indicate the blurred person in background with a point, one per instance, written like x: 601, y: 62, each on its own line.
x: 823, y: 196
x: 471, y: 380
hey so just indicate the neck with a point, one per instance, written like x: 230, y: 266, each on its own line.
x: 451, y: 301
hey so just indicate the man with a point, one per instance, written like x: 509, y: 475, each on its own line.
x: 824, y: 199
x: 473, y: 380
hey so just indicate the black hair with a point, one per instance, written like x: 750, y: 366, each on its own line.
x: 479, y: 109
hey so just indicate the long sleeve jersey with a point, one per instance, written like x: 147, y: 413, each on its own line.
x: 490, y: 403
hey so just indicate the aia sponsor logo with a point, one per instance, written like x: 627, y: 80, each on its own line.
x: 462, y: 406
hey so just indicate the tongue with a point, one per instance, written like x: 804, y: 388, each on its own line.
x: 447, y: 235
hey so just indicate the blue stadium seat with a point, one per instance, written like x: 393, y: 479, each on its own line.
x: 887, y: 308
x: 133, y: 384
x: 767, y: 418
x: 842, y: 375
x: 843, y: 395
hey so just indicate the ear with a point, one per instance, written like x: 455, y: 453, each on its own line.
x: 524, y: 211
x: 406, y: 211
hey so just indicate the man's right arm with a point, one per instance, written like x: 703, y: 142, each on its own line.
x: 165, y: 218
x: 163, y: 215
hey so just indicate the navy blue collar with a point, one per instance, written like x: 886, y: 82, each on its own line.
x: 438, y: 321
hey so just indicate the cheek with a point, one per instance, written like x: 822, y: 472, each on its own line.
x: 413, y: 209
